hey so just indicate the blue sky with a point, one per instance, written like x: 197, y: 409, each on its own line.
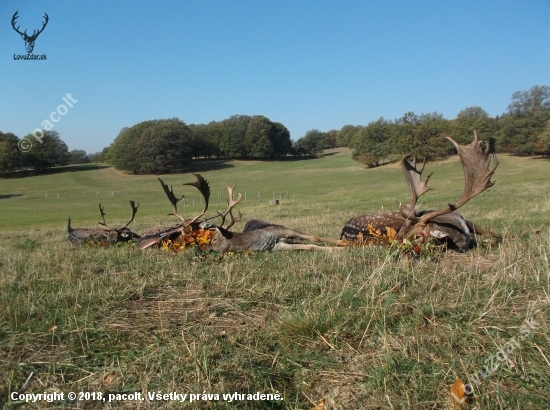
x: 307, y: 64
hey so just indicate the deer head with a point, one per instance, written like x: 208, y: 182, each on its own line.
x: 122, y: 234
x: 29, y: 40
x: 224, y: 235
x: 477, y: 178
x: 445, y: 223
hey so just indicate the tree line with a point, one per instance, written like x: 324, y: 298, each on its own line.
x: 162, y: 146
x: 523, y: 130
x: 157, y: 146
x: 52, y: 152
x: 41, y: 156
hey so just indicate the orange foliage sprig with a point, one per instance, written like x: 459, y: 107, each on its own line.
x: 189, y: 238
x: 414, y: 247
x: 376, y: 237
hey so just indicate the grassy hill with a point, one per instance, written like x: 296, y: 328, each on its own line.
x: 356, y: 327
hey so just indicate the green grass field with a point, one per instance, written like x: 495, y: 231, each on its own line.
x: 356, y: 327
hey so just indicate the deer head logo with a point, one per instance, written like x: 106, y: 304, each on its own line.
x: 29, y: 40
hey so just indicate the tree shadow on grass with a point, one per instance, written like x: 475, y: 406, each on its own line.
x: 55, y: 170
x: 288, y: 159
x: 205, y: 165
x: 305, y: 157
x: 541, y: 158
x: 9, y: 196
x: 201, y: 165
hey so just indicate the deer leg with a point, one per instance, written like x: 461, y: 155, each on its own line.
x: 480, y: 231
x: 290, y: 234
x: 284, y: 246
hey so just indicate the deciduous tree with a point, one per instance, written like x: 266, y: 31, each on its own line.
x: 372, y: 143
x: 52, y: 152
x: 10, y: 155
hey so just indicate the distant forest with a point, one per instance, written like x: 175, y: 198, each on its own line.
x: 524, y: 130
x: 170, y: 145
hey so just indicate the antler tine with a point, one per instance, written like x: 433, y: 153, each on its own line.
x: 45, y: 16
x: 134, y: 211
x: 221, y: 215
x: 101, y: 208
x: 15, y: 17
x: 405, y: 215
x: 417, y: 187
x: 477, y: 174
x: 173, y: 200
x: 230, y: 203
x: 204, y: 188
x: 233, y: 219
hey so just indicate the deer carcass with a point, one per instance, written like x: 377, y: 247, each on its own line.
x: 104, y: 235
x: 259, y: 235
x: 445, y: 224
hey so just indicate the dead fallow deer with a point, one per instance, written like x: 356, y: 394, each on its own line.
x: 258, y: 236
x: 104, y: 235
x: 445, y: 224
x: 155, y: 236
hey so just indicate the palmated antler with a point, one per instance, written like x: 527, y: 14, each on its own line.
x: 477, y: 176
x: 230, y: 204
x: 201, y: 184
x: 204, y: 188
x: 173, y: 200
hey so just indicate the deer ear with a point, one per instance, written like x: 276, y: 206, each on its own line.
x: 436, y: 233
x: 224, y: 232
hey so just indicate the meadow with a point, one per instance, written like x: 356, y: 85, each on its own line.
x: 357, y: 327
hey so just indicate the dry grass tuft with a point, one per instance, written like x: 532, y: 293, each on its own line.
x: 191, y: 309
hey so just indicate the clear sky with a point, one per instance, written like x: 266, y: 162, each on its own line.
x: 307, y: 64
